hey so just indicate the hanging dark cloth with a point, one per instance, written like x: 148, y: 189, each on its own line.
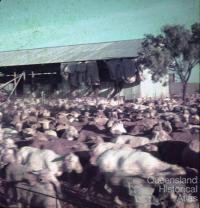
x: 129, y: 70
x: 115, y: 69
x: 81, y: 73
x: 73, y: 75
x: 92, y: 73
x: 64, y: 71
x: 63, y: 66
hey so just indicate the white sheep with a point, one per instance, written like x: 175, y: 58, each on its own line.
x: 70, y: 133
x: 137, y: 141
x: 134, y: 162
x: 38, y: 159
x: 14, y: 173
x: 117, y: 128
x: 7, y: 150
x: 119, y: 164
x: 38, y: 192
x: 133, y: 141
x: 18, y: 175
x: 6, y: 155
x: 101, y: 148
x: 8, y: 143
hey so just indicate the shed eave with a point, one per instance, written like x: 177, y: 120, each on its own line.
x: 95, y: 51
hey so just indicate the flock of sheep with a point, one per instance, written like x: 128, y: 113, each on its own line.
x: 100, y: 146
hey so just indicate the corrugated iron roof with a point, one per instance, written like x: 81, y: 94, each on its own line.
x: 97, y: 51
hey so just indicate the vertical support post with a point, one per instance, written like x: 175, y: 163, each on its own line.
x: 33, y: 84
x: 24, y: 76
x: 20, y: 86
x: 15, y: 82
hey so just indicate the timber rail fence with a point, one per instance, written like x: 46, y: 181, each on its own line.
x: 72, y: 197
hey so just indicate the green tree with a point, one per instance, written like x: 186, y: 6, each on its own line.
x: 176, y: 49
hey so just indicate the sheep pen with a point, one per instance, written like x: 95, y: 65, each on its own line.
x: 95, y: 152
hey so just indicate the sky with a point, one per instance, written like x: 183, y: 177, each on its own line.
x: 28, y: 24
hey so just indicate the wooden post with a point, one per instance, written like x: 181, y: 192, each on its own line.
x: 15, y: 82
x: 20, y: 86
x: 24, y: 76
x: 4, y: 85
x: 14, y: 88
x: 32, y: 74
x: 33, y: 84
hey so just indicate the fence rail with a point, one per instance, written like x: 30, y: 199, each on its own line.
x: 73, y: 197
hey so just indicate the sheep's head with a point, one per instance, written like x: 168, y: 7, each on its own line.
x: 99, y: 149
x: 194, y: 119
x: 19, y: 126
x: 114, y: 114
x: 70, y: 133
x: 159, y: 134
x: 45, y: 124
x: 149, y: 147
x: 46, y: 113
x: 70, y: 118
x: 51, y: 133
x: 44, y: 176
x: 24, y: 115
x: 166, y: 125
x: 117, y: 128
x: 8, y: 155
x: 110, y: 123
x: 75, y: 114
x: 100, y: 120
x: 9, y: 143
x: 29, y: 131
x: 186, y: 116
x: 72, y: 163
